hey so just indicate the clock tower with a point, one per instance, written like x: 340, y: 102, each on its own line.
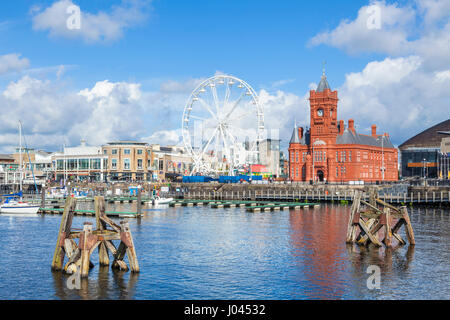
x: 323, y: 109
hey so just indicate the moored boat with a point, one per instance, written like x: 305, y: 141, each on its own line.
x: 157, y: 200
x: 13, y: 206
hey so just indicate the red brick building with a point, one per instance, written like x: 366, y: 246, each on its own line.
x: 329, y: 151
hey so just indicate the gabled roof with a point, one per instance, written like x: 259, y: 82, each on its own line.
x: 348, y: 137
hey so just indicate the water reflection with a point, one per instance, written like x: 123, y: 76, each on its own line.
x: 103, y: 286
x: 316, y: 235
x: 363, y: 256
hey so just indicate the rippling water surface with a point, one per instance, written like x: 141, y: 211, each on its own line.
x: 203, y: 253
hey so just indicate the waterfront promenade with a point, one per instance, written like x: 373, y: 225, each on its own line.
x: 401, y: 194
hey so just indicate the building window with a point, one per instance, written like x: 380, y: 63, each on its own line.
x: 114, y: 164
x: 337, y: 172
x: 126, y: 151
x: 337, y: 156
x: 105, y: 151
x: 343, y: 156
x: 139, y: 163
x: 296, y: 157
x: 139, y: 151
x: 114, y: 151
x: 296, y: 172
x: 126, y: 164
x: 96, y: 163
x: 304, y: 156
x: 349, y: 156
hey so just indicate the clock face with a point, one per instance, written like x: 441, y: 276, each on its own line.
x: 320, y: 112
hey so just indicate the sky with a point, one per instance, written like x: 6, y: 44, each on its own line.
x: 128, y: 68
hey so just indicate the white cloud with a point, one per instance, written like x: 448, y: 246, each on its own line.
x: 434, y: 10
x: 407, y: 91
x: 402, y: 32
x: 165, y: 137
x: 12, y: 62
x: 354, y: 36
x: 403, y: 106
x: 53, y: 114
x: 282, y: 110
x: 114, y: 112
x: 99, y: 27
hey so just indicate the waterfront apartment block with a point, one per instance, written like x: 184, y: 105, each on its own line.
x: 329, y: 151
x: 170, y: 163
x: 128, y: 161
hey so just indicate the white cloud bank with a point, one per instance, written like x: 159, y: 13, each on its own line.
x: 98, y: 27
x: 407, y: 91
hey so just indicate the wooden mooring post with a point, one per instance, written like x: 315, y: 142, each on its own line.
x: 364, y: 225
x: 88, y: 240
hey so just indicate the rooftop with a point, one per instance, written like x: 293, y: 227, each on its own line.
x: 348, y: 137
x: 128, y: 142
x: 323, y: 84
x: 429, y: 138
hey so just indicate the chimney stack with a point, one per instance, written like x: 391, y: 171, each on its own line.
x: 374, y: 131
x: 351, y: 125
x: 300, y: 132
x: 341, y: 126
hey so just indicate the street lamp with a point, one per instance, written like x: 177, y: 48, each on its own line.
x: 424, y: 172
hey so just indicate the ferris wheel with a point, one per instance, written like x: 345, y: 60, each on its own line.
x: 222, y: 125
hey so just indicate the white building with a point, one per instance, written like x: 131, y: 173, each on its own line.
x: 82, y: 163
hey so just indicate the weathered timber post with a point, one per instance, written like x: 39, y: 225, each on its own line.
x: 126, y: 246
x: 43, y: 197
x: 354, y: 218
x: 409, y: 229
x: 87, y: 243
x: 139, y: 203
x: 64, y: 231
x: 388, y: 231
x: 99, y: 204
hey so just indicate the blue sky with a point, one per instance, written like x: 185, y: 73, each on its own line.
x: 269, y: 44
x: 259, y: 41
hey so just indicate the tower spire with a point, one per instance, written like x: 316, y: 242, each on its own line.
x: 323, y: 84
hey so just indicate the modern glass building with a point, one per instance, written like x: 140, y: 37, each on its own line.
x: 421, y: 155
x: 419, y: 162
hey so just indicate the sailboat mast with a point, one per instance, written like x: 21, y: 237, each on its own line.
x: 20, y: 155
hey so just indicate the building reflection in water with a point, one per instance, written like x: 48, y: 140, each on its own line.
x: 328, y: 268
x: 316, y: 236
x: 104, y: 286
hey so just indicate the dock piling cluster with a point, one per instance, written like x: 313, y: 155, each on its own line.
x: 102, y: 237
x: 364, y: 226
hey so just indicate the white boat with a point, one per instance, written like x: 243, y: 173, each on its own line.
x: 157, y: 200
x: 56, y: 193
x: 13, y: 206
